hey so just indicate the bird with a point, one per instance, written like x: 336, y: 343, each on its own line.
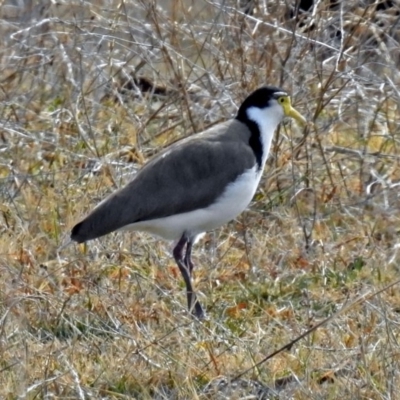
x: 196, y: 184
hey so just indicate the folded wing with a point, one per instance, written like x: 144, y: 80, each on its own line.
x: 185, y: 177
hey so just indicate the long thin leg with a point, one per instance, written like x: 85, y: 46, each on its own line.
x: 193, y: 304
x: 188, y: 256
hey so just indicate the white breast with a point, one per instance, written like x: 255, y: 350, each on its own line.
x: 231, y: 203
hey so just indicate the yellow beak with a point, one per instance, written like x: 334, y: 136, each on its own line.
x: 292, y: 113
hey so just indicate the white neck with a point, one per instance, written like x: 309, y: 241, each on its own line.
x: 267, y: 120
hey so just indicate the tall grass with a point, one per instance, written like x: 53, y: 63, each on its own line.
x: 322, y: 233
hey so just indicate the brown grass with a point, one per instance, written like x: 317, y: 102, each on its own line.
x: 109, y: 321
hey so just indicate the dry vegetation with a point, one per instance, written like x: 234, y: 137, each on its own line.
x: 76, y: 121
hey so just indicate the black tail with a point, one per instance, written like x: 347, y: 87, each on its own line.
x: 104, y: 219
x: 113, y: 213
x: 77, y: 233
x: 92, y: 227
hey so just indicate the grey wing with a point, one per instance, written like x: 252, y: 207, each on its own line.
x: 186, y: 178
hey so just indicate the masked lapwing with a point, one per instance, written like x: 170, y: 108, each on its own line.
x: 196, y: 184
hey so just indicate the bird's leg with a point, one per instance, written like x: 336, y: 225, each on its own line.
x: 188, y: 256
x: 193, y: 304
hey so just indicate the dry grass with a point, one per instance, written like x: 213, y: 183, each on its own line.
x: 322, y: 231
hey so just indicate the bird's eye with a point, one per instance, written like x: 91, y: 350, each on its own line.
x: 281, y: 100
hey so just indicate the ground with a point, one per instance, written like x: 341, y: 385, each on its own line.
x: 89, y: 91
